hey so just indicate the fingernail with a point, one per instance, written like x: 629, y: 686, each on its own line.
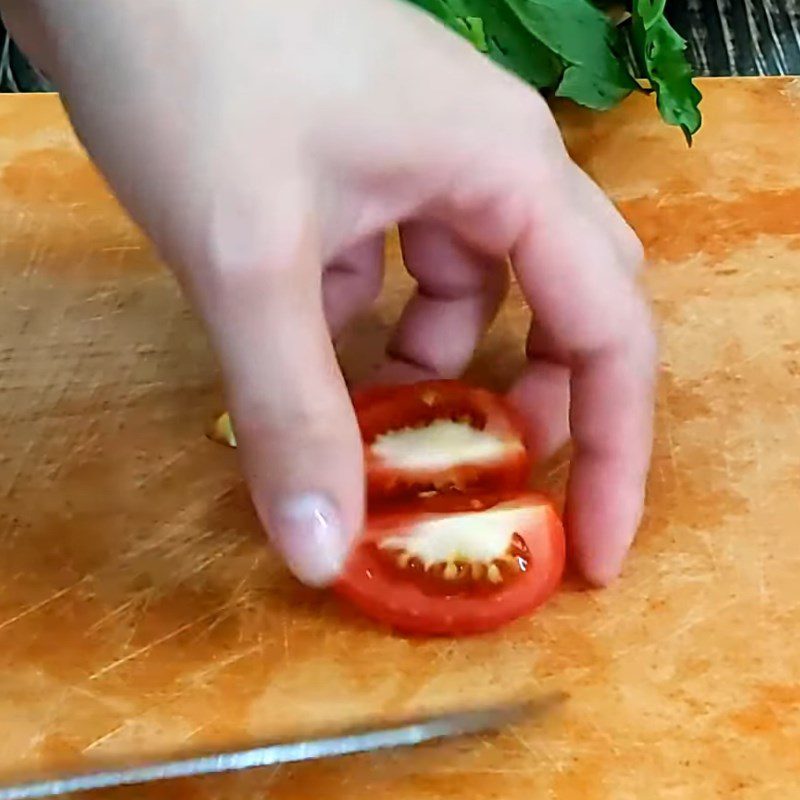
x: 308, y: 532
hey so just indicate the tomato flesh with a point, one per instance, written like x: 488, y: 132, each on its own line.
x: 458, y: 593
x: 439, y: 435
x: 454, y: 543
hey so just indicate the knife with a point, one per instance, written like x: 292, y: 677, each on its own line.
x: 404, y: 734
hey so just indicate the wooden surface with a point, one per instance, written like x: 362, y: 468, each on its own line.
x: 140, y: 609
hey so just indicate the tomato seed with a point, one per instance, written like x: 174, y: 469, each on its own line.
x: 450, y: 572
x: 493, y: 573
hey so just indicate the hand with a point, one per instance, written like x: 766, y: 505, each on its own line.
x: 266, y: 148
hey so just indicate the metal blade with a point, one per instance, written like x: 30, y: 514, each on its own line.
x: 405, y: 734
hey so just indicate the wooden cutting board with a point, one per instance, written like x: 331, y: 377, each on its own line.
x: 140, y: 608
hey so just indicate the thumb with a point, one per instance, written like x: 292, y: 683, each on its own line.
x: 295, y: 426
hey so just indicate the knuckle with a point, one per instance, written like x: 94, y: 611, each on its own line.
x: 532, y: 134
x: 316, y: 424
x: 249, y: 244
x: 534, y: 111
x: 625, y: 330
x: 371, y: 287
x: 236, y: 275
x: 542, y: 135
x: 232, y: 283
x: 641, y: 339
x: 632, y: 248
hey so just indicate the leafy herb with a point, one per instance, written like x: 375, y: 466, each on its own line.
x: 505, y: 39
x: 472, y: 28
x: 663, y: 53
x: 572, y: 48
x: 586, y: 42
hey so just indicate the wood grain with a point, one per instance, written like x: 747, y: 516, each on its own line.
x: 141, y: 610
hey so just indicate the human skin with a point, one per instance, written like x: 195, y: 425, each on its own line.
x: 266, y: 169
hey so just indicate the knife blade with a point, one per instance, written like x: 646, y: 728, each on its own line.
x: 403, y: 734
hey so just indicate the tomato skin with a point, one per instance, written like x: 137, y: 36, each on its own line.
x: 382, y: 409
x: 407, y: 607
x: 471, y: 581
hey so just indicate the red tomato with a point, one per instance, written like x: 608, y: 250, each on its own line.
x: 456, y: 564
x: 439, y: 435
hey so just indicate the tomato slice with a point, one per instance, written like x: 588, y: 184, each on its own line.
x: 454, y: 543
x: 439, y: 435
x: 456, y: 564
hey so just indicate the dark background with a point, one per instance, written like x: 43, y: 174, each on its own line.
x: 740, y: 37
x: 726, y: 37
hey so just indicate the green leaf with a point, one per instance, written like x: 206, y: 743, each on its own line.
x: 514, y: 47
x: 663, y: 53
x: 448, y: 11
x: 507, y: 41
x: 587, y: 41
x: 589, y: 89
x: 572, y: 47
x: 651, y: 11
x: 472, y: 28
